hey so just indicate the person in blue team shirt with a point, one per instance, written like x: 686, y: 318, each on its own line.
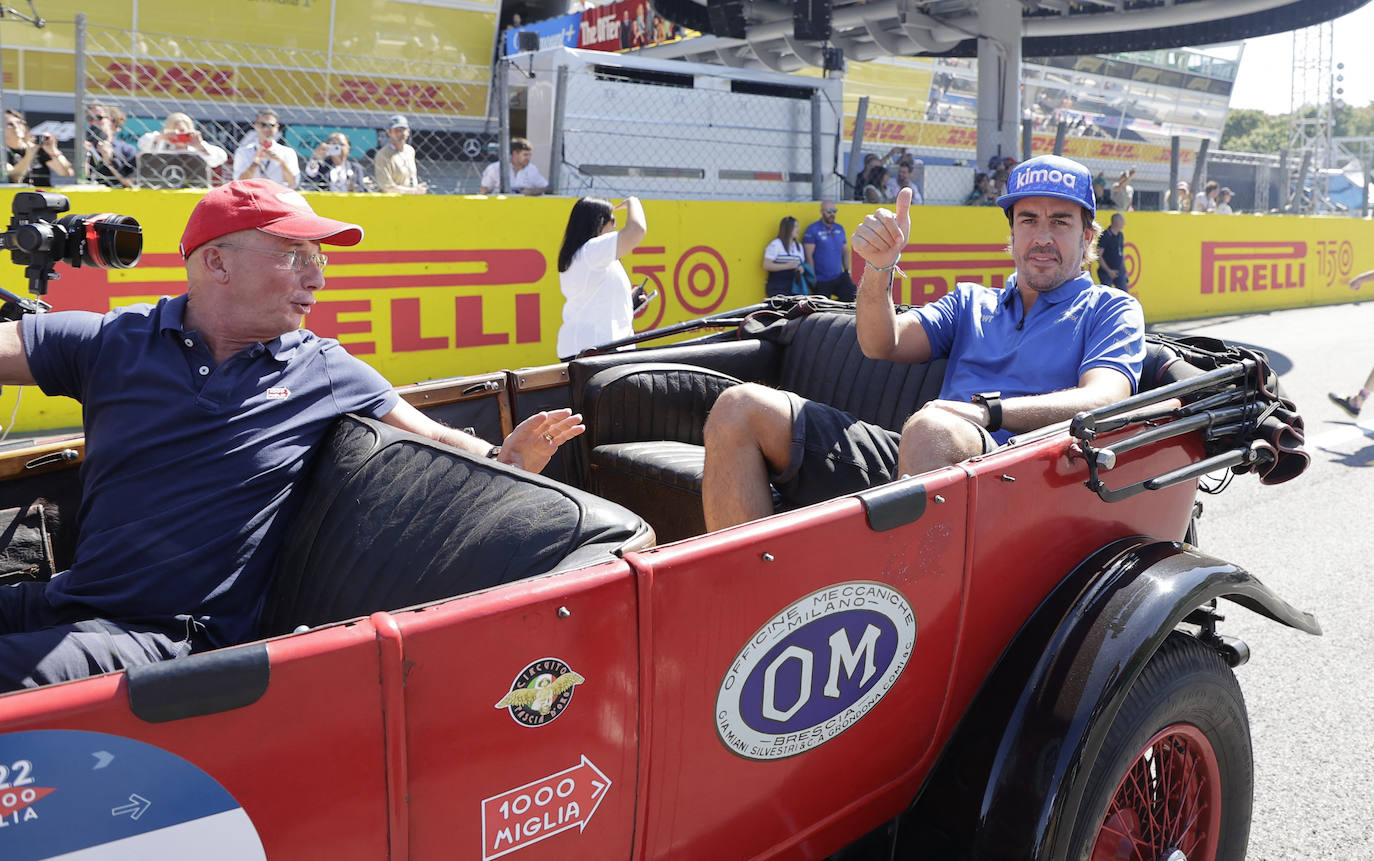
x: 827, y: 253
x: 201, y: 413
x: 1049, y: 345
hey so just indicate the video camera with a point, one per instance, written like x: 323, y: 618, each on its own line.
x: 37, y: 240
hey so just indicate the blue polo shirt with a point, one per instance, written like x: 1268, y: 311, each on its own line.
x: 1076, y: 326
x: 828, y: 257
x: 189, y: 470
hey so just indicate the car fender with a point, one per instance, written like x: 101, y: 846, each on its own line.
x: 1039, y: 719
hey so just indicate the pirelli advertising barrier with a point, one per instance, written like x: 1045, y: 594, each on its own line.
x: 443, y: 286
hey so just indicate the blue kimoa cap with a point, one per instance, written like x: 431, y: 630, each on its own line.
x: 1050, y: 176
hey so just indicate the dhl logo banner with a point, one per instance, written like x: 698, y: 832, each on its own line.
x: 914, y: 133
x: 444, y: 285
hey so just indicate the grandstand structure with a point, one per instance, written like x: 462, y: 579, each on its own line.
x: 999, y: 33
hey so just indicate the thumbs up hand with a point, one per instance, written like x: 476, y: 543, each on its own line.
x: 882, y: 235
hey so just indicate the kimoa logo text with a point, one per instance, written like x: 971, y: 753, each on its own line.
x: 1239, y: 267
x: 1042, y: 175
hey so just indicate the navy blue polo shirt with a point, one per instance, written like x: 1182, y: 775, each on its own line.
x: 1074, y: 327
x: 827, y: 258
x: 189, y: 470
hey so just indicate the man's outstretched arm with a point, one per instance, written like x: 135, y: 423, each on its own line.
x: 529, y: 446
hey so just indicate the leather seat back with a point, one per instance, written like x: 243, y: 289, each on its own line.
x: 388, y: 520
x: 823, y: 362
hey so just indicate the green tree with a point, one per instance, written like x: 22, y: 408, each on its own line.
x: 1254, y: 131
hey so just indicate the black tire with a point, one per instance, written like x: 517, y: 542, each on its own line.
x: 1184, y: 737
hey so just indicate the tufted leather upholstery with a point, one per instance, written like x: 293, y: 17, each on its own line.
x: 389, y: 520
x: 645, y: 421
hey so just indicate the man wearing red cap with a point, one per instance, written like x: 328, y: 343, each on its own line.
x: 200, y: 414
x: 1048, y: 345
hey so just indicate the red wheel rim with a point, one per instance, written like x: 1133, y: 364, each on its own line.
x: 1169, y: 801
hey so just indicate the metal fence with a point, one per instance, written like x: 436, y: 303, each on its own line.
x: 222, y: 86
x: 896, y: 135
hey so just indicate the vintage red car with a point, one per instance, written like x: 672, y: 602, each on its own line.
x: 460, y: 660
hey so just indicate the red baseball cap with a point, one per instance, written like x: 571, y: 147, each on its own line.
x: 261, y: 204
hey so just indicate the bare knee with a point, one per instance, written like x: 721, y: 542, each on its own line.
x: 747, y: 409
x: 751, y: 415
x: 932, y: 438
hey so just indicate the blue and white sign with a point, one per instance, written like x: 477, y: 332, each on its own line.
x: 553, y: 33
x: 75, y: 796
x: 815, y: 669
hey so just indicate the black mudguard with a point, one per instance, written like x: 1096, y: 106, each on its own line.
x: 1006, y: 786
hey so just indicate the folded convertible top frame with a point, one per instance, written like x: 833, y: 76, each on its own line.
x: 1228, y: 413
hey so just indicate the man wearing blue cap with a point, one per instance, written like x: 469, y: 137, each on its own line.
x: 1047, y: 346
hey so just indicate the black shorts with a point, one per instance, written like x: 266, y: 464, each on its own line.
x: 834, y: 453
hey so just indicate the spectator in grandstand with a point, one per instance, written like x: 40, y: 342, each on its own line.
x: 263, y: 157
x: 1111, y: 254
x: 1101, y: 194
x: 596, y: 291
x: 982, y: 191
x: 860, y: 180
x: 784, y: 260
x: 999, y: 176
x: 330, y: 168
x: 1224, y: 202
x: 179, y: 134
x: 906, y: 178
x: 522, y: 178
x: 1124, y: 191
x: 876, y: 185
x: 827, y: 253
x: 625, y: 30
x: 663, y: 30
x: 1183, y: 200
x: 111, y: 161
x: 394, y: 165
x: 1207, y: 201
x: 30, y: 158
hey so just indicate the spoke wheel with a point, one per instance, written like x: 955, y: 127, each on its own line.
x: 1168, y: 802
x: 1172, y: 780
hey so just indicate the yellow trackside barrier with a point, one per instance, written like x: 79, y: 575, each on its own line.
x: 443, y: 286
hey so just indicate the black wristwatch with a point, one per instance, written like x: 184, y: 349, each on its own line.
x: 993, y: 401
x: 494, y: 452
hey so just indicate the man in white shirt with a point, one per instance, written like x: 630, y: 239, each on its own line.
x: 265, y: 158
x: 525, y: 178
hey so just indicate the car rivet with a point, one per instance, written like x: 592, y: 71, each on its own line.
x: 1006, y: 477
x: 768, y: 557
x: 939, y: 498
x: 564, y: 612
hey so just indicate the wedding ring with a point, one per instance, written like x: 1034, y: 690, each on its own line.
x: 548, y: 438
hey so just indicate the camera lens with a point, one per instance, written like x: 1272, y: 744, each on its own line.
x: 105, y: 241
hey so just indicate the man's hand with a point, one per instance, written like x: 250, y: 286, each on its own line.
x: 535, y: 439
x: 882, y: 235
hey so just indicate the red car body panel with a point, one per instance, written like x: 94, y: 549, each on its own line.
x: 382, y: 737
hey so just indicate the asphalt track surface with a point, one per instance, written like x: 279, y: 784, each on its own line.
x: 1311, y: 699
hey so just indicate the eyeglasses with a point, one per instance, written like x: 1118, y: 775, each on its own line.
x: 829, y: 211
x: 295, y: 260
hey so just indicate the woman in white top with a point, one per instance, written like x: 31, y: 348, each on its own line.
x: 596, y: 290
x: 179, y: 134
x: 782, y: 258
